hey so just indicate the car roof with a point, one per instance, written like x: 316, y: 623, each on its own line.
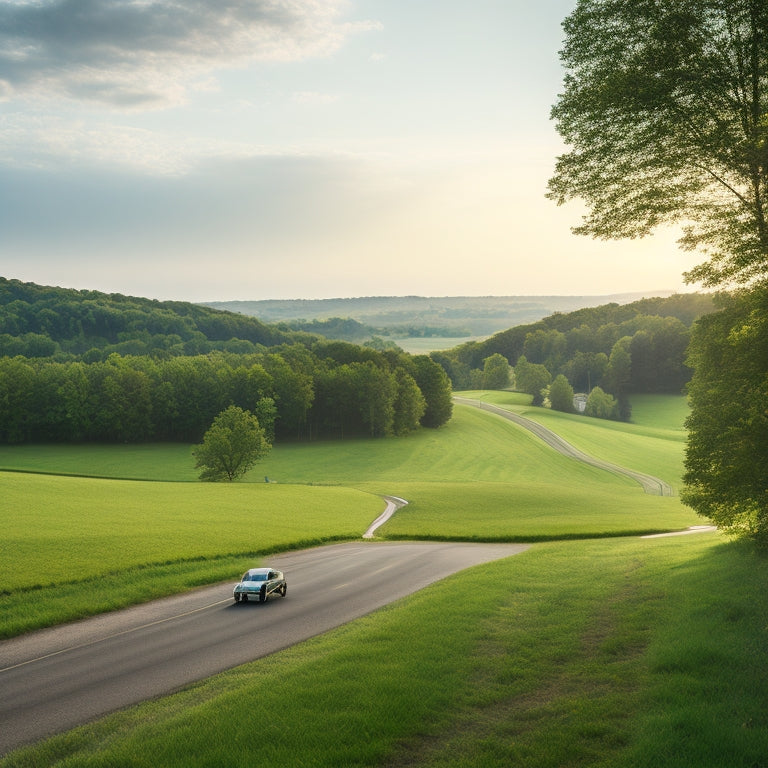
x: 259, y: 570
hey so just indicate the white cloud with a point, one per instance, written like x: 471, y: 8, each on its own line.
x: 144, y: 54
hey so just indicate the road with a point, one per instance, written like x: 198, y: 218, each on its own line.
x: 650, y: 484
x: 58, y: 678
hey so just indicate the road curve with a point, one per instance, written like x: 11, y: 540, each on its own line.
x: 393, y: 504
x: 58, y: 678
x: 649, y: 483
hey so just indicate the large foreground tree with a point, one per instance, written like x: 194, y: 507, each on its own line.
x: 665, y: 111
x: 726, y: 460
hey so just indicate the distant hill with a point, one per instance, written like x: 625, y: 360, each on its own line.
x: 41, y: 321
x: 410, y: 316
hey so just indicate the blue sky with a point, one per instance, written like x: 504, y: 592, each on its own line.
x: 254, y: 149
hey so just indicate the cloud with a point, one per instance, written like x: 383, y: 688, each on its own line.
x: 143, y: 54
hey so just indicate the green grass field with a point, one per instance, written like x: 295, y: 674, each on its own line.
x: 615, y: 651
x: 653, y: 442
x: 141, y: 540
x: 479, y: 478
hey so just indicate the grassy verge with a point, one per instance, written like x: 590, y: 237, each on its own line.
x: 601, y: 653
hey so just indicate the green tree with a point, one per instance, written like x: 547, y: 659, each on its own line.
x: 665, y: 111
x: 409, y: 404
x: 17, y: 382
x: 726, y: 459
x: 619, y: 375
x: 586, y: 368
x: 549, y: 348
x: 561, y: 395
x: 601, y: 405
x: 232, y: 445
x: 435, y: 386
x: 531, y: 378
x: 495, y: 372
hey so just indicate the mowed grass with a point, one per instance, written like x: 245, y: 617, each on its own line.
x: 623, y: 652
x: 653, y: 442
x: 62, y: 536
x: 153, y: 461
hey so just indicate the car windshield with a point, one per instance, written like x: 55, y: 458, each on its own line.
x: 255, y: 577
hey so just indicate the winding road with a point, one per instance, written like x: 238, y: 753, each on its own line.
x: 58, y: 678
x: 649, y: 483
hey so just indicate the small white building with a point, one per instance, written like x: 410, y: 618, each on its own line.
x: 579, y: 402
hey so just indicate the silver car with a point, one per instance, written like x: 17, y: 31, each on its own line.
x: 259, y: 584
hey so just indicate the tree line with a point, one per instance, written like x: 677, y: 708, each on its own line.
x: 334, y: 389
x: 620, y: 349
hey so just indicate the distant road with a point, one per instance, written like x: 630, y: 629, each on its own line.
x: 58, y: 678
x: 650, y: 484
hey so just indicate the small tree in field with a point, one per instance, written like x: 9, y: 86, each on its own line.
x: 232, y: 445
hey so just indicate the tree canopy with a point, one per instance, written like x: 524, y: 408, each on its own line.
x: 665, y: 111
x: 726, y: 462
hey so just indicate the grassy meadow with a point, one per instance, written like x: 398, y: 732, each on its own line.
x: 104, y: 544
x: 582, y: 651
x: 652, y: 442
x: 478, y: 478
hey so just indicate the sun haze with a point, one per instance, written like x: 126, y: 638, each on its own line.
x: 250, y: 150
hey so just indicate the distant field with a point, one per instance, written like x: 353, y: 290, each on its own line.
x: 423, y: 345
x: 653, y: 442
x: 480, y: 315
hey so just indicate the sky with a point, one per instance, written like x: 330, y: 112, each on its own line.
x: 278, y: 149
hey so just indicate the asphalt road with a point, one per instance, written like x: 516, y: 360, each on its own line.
x: 56, y: 679
x: 653, y: 485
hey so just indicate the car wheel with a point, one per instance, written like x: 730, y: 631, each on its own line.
x: 284, y: 590
x: 237, y: 597
x: 244, y: 598
x: 263, y: 597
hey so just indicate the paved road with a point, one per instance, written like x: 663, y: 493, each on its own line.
x: 56, y: 679
x: 650, y: 484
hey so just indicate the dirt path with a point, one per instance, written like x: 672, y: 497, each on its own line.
x: 650, y: 484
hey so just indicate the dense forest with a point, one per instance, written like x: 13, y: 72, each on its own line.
x: 42, y: 321
x: 87, y: 366
x: 623, y: 349
x: 113, y: 368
